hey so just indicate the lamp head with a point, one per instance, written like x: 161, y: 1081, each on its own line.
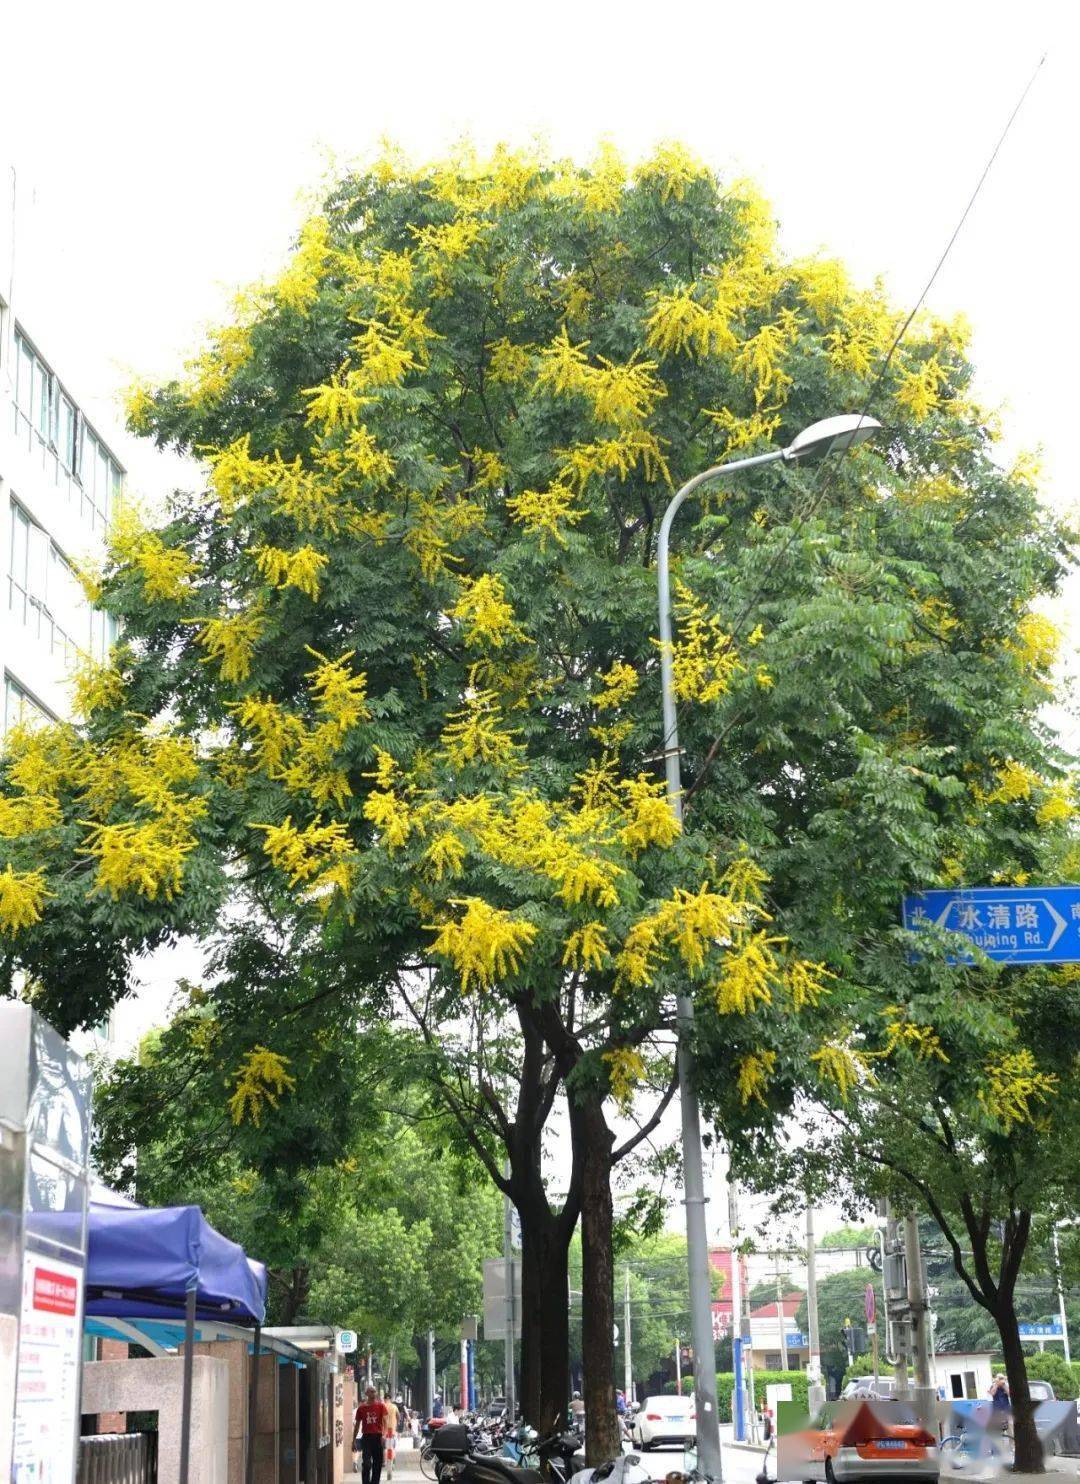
x: 831, y: 434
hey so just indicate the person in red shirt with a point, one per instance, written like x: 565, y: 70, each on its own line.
x: 369, y: 1429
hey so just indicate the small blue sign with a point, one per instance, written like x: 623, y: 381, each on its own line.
x: 1049, y: 1331
x: 795, y: 1340
x: 1012, y: 924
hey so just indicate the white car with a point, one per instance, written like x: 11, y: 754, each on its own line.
x: 663, y: 1420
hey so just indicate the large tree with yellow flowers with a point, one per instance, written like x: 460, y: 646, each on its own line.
x: 388, y: 679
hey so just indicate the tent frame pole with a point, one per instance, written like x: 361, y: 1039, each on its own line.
x: 189, y: 1359
x: 253, y: 1398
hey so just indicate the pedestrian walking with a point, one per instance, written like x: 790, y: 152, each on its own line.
x: 390, y: 1435
x: 369, y: 1431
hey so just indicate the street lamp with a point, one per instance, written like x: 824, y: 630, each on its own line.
x: 832, y: 434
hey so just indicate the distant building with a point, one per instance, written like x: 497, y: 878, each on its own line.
x: 765, y: 1335
x: 60, y: 483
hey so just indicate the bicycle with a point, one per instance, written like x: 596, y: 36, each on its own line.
x: 978, y: 1454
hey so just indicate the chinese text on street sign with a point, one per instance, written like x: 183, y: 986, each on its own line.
x: 1049, y: 1331
x: 1012, y: 924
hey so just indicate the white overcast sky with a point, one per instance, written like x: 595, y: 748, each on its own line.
x: 167, y: 149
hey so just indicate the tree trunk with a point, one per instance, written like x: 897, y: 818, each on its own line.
x: 545, y: 1320
x: 1028, y: 1449
x: 602, y: 1436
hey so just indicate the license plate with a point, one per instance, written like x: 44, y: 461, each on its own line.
x: 890, y: 1443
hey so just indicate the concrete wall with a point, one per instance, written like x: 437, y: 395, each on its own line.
x: 234, y: 1353
x: 157, y: 1386
x: 112, y: 1350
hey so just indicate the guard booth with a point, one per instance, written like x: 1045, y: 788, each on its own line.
x: 44, y: 1155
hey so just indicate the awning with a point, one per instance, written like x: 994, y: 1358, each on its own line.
x: 145, y: 1262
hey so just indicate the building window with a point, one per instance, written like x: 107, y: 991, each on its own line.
x: 49, y: 423
x: 47, y: 597
x: 20, y: 708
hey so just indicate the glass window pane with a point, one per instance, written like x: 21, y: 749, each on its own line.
x: 26, y: 378
x: 20, y: 527
x: 65, y: 433
x: 89, y: 461
x: 101, y: 480
x: 115, y: 482
x: 41, y: 399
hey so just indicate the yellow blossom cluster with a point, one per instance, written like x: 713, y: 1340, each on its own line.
x: 921, y: 1040
x: 1014, y: 1088
x: 620, y: 455
x: 587, y: 948
x: 166, y: 571
x: 671, y: 171
x: 301, y: 568
x: 918, y: 388
x: 260, y: 1081
x: 147, y: 777
x: 839, y: 1067
x: 620, y: 396
x: 626, y: 1069
x: 230, y: 639
x: 682, y: 323
x: 545, y: 513
x: 298, y: 287
x: 755, y: 1070
x: 318, y: 857
x: 619, y: 684
x: 96, y: 687
x: 304, y: 758
x: 703, y: 657
x: 22, y: 899
x: 1037, y: 642
x: 485, y: 944
x: 485, y: 616
x: 476, y: 734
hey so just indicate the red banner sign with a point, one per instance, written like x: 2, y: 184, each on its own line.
x: 55, y: 1293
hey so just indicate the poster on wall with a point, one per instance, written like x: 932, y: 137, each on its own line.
x: 47, y: 1386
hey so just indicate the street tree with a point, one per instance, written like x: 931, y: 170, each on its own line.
x: 387, y: 681
x: 365, y: 1213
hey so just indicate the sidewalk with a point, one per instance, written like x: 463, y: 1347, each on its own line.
x: 406, y: 1467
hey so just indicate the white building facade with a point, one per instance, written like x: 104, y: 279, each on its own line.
x: 60, y: 482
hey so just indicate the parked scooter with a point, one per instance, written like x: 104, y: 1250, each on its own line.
x: 627, y: 1469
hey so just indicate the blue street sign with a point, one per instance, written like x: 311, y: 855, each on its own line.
x: 1050, y: 1331
x: 795, y: 1340
x: 1012, y: 924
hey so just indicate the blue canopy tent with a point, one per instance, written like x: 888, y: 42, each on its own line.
x: 170, y: 1267
x: 152, y: 1263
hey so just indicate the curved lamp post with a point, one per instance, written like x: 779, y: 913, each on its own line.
x: 831, y: 435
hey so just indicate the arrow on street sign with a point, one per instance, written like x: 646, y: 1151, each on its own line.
x: 1011, y: 924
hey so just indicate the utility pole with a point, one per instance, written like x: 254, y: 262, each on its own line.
x: 892, y: 1269
x: 918, y: 1310
x: 738, y: 1409
x: 1061, y: 1299
x: 748, y: 1353
x: 628, y: 1371
x: 815, y: 1390
x: 780, y: 1313
x: 509, y: 1305
x: 678, y: 1366
x: 430, y: 1369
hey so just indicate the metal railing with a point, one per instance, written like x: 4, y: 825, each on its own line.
x: 118, y: 1458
